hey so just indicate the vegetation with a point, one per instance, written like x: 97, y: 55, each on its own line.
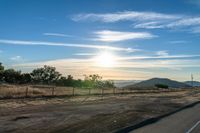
x: 48, y: 75
x: 162, y: 86
x: 45, y: 75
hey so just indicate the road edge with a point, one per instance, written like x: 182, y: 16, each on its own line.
x: 154, y: 119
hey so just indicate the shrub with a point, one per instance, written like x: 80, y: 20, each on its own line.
x: 163, y: 86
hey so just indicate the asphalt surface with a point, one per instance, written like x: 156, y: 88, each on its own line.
x: 185, y: 121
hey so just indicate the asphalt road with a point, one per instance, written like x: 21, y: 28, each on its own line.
x: 185, y: 121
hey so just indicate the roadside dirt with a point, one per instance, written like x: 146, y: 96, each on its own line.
x: 88, y: 114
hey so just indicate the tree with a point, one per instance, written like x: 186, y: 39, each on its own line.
x: 78, y: 83
x: 49, y: 75
x: 63, y: 81
x: 45, y: 75
x: 70, y: 80
x: 95, y: 81
x: 162, y: 86
x: 25, y: 78
x: 92, y: 81
x: 1, y: 72
x: 109, y: 84
x: 1, y: 67
x: 11, y: 76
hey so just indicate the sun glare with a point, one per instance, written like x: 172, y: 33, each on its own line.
x: 105, y: 59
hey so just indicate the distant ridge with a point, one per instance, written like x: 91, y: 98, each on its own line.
x: 195, y: 83
x: 151, y: 83
x: 123, y: 83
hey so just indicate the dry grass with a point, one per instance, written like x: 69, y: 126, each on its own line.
x: 89, y: 113
x: 19, y: 91
x: 15, y: 91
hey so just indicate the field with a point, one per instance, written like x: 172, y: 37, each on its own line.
x: 34, y: 91
x: 89, y: 113
x: 13, y: 91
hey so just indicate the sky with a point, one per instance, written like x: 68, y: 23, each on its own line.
x: 119, y: 40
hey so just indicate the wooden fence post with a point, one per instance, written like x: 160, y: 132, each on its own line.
x: 73, y: 91
x: 26, y: 93
x: 102, y: 92
x: 113, y: 90
x: 53, y: 91
x: 89, y: 91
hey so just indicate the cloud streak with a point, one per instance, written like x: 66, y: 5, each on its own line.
x: 16, y: 58
x: 115, y: 36
x: 124, y: 16
x: 159, y: 57
x: 85, y: 54
x: 145, y: 20
x: 150, y: 25
x: 57, y: 35
x: 178, y: 42
x: 123, y: 69
x: 37, y: 43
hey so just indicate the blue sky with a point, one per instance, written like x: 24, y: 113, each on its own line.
x: 142, y: 39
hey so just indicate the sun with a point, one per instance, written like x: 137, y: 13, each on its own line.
x: 105, y: 59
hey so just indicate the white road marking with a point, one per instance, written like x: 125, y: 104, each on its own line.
x: 191, y: 129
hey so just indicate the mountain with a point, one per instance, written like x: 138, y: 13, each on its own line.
x: 123, y: 83
x: 195, y: 83
x: 151, y: 83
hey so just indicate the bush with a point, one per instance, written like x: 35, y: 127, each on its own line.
x: 48, y: 75
x: 162, y: 86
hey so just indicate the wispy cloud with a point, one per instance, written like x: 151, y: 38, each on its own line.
x: 123, y: 69
x: 115, y: 36
x: 57, y: 34
x: 85, y: 54
x: 89, y: 63
x: 16, y: 58
x: 195, y: 29
x: 185, y: 21
x: 189, y: 23
x: 178, y: 42
x: 124, y: 16
x: 150, y: 25
x: 162, y: 53
x: 72, y: 66
x: 158, y: 57
x: 146, y: 20
x: 182, y: 22
x: 91, y: 46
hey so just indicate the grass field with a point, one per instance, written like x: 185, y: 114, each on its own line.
x: 17, y: 91
x: 89, y: 113
x: 21, y: 91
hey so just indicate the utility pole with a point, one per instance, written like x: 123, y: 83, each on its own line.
x: 192, y: 79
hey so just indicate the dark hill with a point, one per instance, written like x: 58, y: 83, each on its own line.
x: 195, y: 83
x: 151, y: 83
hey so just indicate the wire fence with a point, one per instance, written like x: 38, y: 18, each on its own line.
x: 15, y: 91
x: 18, y: 91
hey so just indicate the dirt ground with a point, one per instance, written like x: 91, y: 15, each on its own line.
x: 88, y: 114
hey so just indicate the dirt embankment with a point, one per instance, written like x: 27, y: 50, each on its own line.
x: 88, y: 114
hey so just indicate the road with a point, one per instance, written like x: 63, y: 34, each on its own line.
x: 185, y: 121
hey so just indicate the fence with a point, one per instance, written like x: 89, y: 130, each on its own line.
x: 17, y: 91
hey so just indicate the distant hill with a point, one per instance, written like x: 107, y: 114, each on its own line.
x: 151, y: 83
x: 123, y: 83
x: 195, y: 83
